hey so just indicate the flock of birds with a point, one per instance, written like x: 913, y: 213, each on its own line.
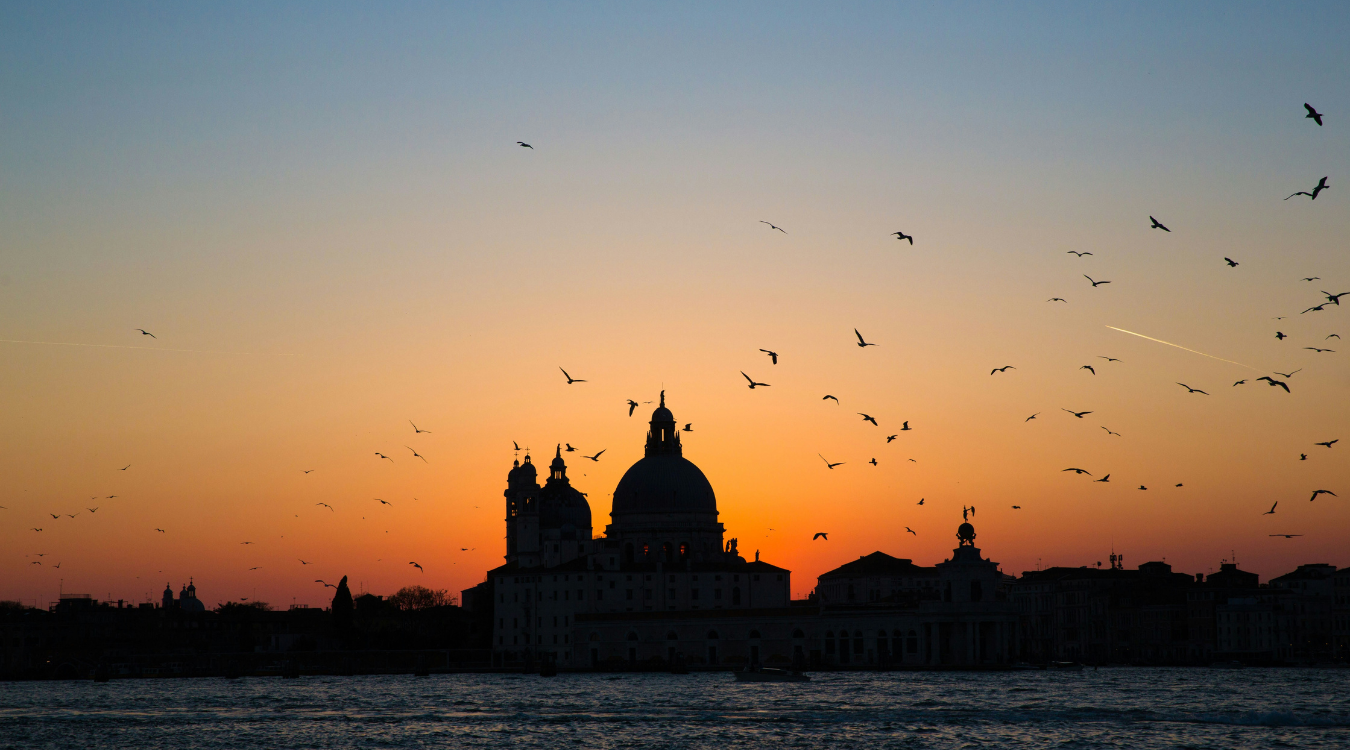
x: 1332, y: 299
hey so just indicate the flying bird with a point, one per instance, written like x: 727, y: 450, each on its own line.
x: 889, y: 438
x: 873, y: 462
x: 771, y: 226
x: 1281, y: 335
x: 1017, y: 507
x: 1142, y: 487
x: 255, y: 568
x: 1079, y: 471
x: 302, y: 562
x: 1287, y: 374
x: 753, y: 384
x: 828, y: 464
x: 124, y: 468
x: 1286, y: 536
x: 1109, y: 432
x: 1334, y: 299
x: 1303, y: 456
x: 1240, y: 382
x: 1315, y: 308
x: 631, y: 406
x: 821, y: 535
x: 861, y: 341
x: 306, y: 471
x: 772, y: 355
x: 688, y: 427
x: 110, y: 497
x: 596, y: 457
x: 146, y: 333
x: 1004, y: 368
x: 1104, y: 479
x: 517, y: 445
x: 1312, y: 278
x: 381, y: 455
x: 1231, y: 263
x: 1075, y: 252
x: 1157, y: 225
x: 1089, y: 369
x: 329, y: 585
x: 902, y: 236
x: 1322, y: 185
x: 1057, y: 299
x: 823, y: 397
x: 568, y: 448
x: 1274, y: 383
x: 1033, y: 416
x: 1271, y: 512
x: 905, y: 426
x: 523, y: 144
x: 418, y: 430
x: 920, y: 501
x: 1192, y: 390
x: 1078, y: 414
x: 1329, y: 443
x: 160, y: 531
x: 1108, y: 359
x: 1095, y: 284
x: 54, y: 515
x: 326, y: 505
x: 246, y: 542
x: 384, y: 502
x: 36, y: 529
x: 570, y: 379
x: 1313, y: 114
x: 415, y: 565
x: 92, y: 510
x: 1320, y: 351
x: 869, y: 418
x: 1321, y: 492
x: 912, y: 531
x: 1332, y: 335
x: 415, y: 453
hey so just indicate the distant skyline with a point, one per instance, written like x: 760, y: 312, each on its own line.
x: 322, y: 214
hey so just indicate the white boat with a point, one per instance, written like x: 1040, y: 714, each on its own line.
x: 769, y: 674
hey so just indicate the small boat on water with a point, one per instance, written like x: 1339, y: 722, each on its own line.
x: 1065, y: 666
x: 769, y: 674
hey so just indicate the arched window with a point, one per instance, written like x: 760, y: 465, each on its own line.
x: 712, y: 635
x: 632, y: 636
x: 684, y: 550
x: 754, y: 634
x: 645, y: 550
x: 798, y: 633
x: 667, y: 552
x: 672, y: 636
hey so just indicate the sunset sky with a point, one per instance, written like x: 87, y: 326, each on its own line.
x: 321, y: 213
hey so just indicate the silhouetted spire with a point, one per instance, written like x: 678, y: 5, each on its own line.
x: 557, y: 471
x: 663, y: 439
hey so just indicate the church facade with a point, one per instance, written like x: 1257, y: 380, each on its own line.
x: 662, y: 585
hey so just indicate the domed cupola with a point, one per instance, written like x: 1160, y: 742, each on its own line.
x: 664, y: 481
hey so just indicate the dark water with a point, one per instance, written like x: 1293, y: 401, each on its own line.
x: 1111, y: 708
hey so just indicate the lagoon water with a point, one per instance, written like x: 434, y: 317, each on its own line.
x: 1107, y: 708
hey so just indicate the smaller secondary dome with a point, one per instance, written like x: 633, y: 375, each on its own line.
x: 966, y: 533
x: 662, y: 414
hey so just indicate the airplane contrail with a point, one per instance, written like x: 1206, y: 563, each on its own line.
x: 148, y: 348
x: 1179, y: 346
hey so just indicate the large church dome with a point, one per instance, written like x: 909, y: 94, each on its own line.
x: 664, y: 481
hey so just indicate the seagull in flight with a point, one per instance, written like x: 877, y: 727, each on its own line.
x: 1334, y: 299
x: 772, y: 355
x: 146, y: 333
x: 1271, y: 512
x: 920, y: 501
x: 1157, y: 225
x: 1109, y: 432
x: 912, y: 531
x: 821, y: 535
x: 904, y: 427
x: 418, y: 430
x: 823, y: 397
x: 1320, y: 351
x: 1329, y: 443
x: 1104, y: 479
x: 1004, y: 368
x: 1332, y: 335
x: 523, y: 144
x: 869, y: 418
x: 92, y: 510
x: 753, y: 384
x: 1321, y: 492
x: 326, y: 505
x: 1095, y: 284
x: 1089, y: 369
x: 1033, y: 416
x: 1078, y: 414
x: 302, y: 562
x: 1322, y: 185
x: 1075, y: 252
x: 415, y: 453
x: 1079, y: 471
x: 128, y: 466
x: 1312, y: 278
x: 381, y: 455
x: 631, y: 406
x: 329, y: 585
x: 1017, y: 507
x: 415, y: 565
x: 688, y: 427
x: 1142, y: 487
x: 1108, y: 359
x: 828, y: 464
x: 889, y: 438
x: 1303, y: 456
x: 902, y: 236
x: 596, y: 457
x: 1315, y: 308
x: 1288, y: 374
x: 160, y: 531
x: 1192, y: 390
x: 873, y: 462
x: 1286, y: 536
x: 1240, y: 382
x: 1275, y: 383
x: 1231, y: 263
x: 384, y: 502
x: 1281, y: 335
x: 1313, y: 114
x: 570, y: 379
x: 861, y: 341
x: 1057, y: 299
x: 306, y: 471
x: 568, y: 448
x: 771, y: 226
